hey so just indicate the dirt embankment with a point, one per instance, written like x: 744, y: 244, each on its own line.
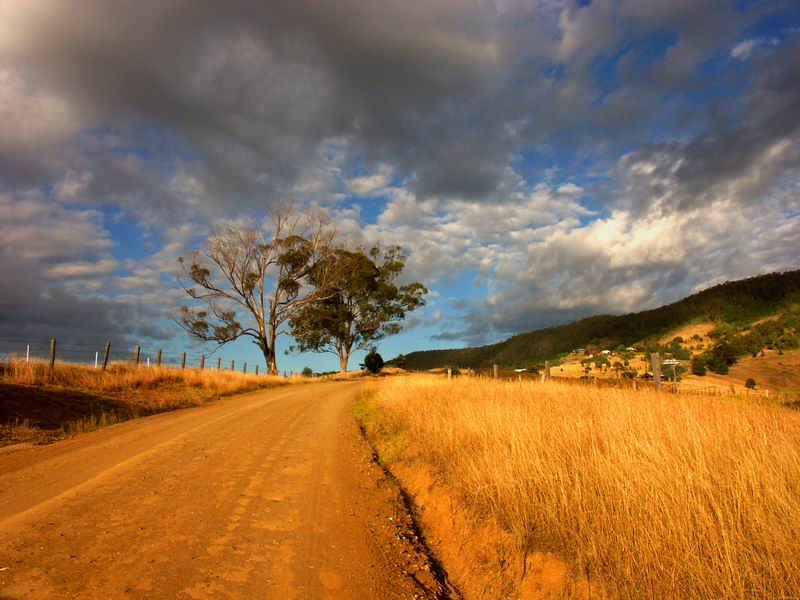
x: 481, y: 559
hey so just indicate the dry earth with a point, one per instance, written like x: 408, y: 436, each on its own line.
x: 268, y: 495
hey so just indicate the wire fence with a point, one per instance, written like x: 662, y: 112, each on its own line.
x: 672, y: 387
x: 99, y: 355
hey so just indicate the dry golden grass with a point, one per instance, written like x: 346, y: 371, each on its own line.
x: 126, y: 377
x: 660, y: 496
x: 346, y: 376
x: 40, y: 406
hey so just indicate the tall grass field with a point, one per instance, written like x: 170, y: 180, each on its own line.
x: 654, y: 495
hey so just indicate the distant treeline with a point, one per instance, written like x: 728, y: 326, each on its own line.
x: 737, y: 303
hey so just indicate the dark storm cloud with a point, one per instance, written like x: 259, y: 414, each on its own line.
x: 55, y: 267
x: 253, y: 89
x: 32, y: 311
x: 445, y: 90
x: 746, y: 151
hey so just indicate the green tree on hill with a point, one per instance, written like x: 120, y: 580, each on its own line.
x: 366, y: 305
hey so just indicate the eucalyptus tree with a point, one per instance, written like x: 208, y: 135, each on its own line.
x: 364, y: 306
x: 250, y: 279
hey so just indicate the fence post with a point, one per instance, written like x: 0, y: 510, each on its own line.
x: 256, y: 369
x: 233, y: 365
x: 183, y: 361
x: 137, y: 354
x: 202, y: 361
x: 105, y: 355
x: 495, y: 369
x: 158, y: 358
x: 219, y: 363
x: 28, y: 354
x: 655, y: 359
x: 244, y: 368
x: 52, y: 354
x: 96, y: 358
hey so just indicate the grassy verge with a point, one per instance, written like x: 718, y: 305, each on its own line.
x: 657, y: 496
x: 38, y: 406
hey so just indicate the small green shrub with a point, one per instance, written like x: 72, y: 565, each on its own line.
x: 373, y: 362
x: 698, y: 368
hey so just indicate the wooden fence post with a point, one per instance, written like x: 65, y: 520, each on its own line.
x: 655, y: 360
x: 52, y: 354
x: 183, y: 361
x: 158, y: 358
x: 495, y: 370
x: 105, y: 355
x: 233, y: 363
x: 202, y: 361
x: 136, y: 354
x: 256, y: 369
x: 244, y: 368
x: 219, y: 363
x: 546, y: 372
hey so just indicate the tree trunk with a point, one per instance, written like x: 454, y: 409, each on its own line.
x: 268, y: 350
x: 272, y: 359
x: 345, y: 350
x: 272, y: 364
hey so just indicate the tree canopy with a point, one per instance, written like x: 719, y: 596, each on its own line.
x: 365, y: 305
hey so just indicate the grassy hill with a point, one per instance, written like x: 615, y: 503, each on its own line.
x: 736, y: 303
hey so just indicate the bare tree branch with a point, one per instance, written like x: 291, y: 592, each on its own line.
x: 263, y: 271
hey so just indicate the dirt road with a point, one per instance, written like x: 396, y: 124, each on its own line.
x: 268, y: 495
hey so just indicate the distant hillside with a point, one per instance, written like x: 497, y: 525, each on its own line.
x: 736, y: 302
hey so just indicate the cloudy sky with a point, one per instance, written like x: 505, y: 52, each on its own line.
x: 540, y: 160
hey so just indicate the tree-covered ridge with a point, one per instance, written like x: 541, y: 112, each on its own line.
x: 736, y: 303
